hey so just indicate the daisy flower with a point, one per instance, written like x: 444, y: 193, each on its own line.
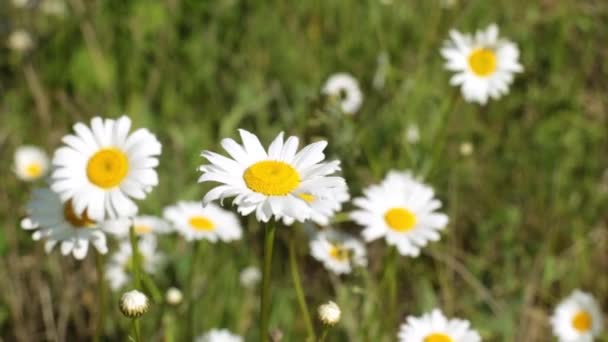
x: 402, y: 210
x: 219, y: 335
x: 338, y: 252
x: 577, y: 318
x: 60, y: 224
x: 270, y: 183
x: 195, y: 222
x: 345, y: 89
x: 20, y: 41
x: 120, y: 265
x: 144, y: 226
x: 324, y: 205
x: 484, y: 64
x: 102, y: 167
x: 31, y: 163
x: 435, y: 327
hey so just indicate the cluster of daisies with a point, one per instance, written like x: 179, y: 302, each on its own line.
x: 101, y: 169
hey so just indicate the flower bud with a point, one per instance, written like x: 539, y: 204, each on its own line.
x: 133, y: 304
x: 329, y: 313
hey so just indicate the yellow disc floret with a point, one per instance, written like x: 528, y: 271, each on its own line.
x: 339, y: 252
x: 33, y: 170
x: 108, y: 167
x: 400, y: 219
x: 582, y: 321
x: 438, y: 337
x: 271, y: 178
x: 482, y: 62
x: 201, y: 223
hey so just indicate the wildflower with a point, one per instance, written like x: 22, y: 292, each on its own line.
x: 338, y: 252
x: 412, y: 134
x: 344, y: 88
x: 250, y: 277
x: 324, y: 205
x: 466, y: 148
x: 134, y: 304
x: 435, y: 327
x: 174, y: 296
x: 211, y: 223
x: 577, y: 318
x: 329, y: 313
x: 20, y: 41
x: 144, y: 226
x: 31, y: 163
x: 219, y: 335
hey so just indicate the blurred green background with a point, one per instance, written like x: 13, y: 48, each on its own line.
x: 527, y: 207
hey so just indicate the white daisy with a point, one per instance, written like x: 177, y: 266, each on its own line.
x: 435, y: 327
x: 219, y: 335
x: 270, y: 183
x: 31, y: 163
x: 577, y: 318
x: 402, y: 210
x: 339, y: 252
x: 59, y: 223
x: 345, y: 89
x: 211, y: 222
x: 120, y: 265
x: 144, y: 226
x: 484, y: 63
x: 103, y: 166
x: 324, y: 205
x: 250, y: 276
x: 20, y: 41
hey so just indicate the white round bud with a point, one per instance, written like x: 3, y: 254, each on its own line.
x: 466, y: 148
x: 133, y: 304
x: 329, y: 313
x: 250, y: 277
x: 174, y: 296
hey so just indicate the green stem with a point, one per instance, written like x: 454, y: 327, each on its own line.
x: 390, y: 280
x: 198, y: 249
x: 324, y: 333
x: 136, y: 330
x: 101, y: 295
x: 135, y: 257
x: 295, y: 275
x: 151, y: 288
x: 265, y: 297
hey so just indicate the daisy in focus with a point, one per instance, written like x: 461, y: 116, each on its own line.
x: 49, y: 218
x: 402, y: 210
x: 577, y: 318
x: 219, y: 335
x: 435, y: 327
x: 484, y: 64
x: 31, y: 163
x: 339, y: 252
x: 102, y: 167
x: 212, y: 223
x: 120, y: 265
x: 270, y: 183
x: 344, y: 88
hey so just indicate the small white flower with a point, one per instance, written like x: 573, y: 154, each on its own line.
x: 20, y: 40
x: 577, y: 318
x: 53, y: 7
x: 174, y: 296
x: 219, y: 335
x: 59, y: 223
x: 339, y: 252
x: 250, y: 277
x: 31, y: 163
x: 120, y: 265
x: 412, y: 134
x: 212, y: 223
x: 344, y: 88
x: 484, y: 64
x: 144, y: 226
x: 329, y: 313
x: 270, y: 183
x: 466, y: 148
x: 134, y: 304
x: 435, y: 327
x: 103, y: 166
x: 402, y: 210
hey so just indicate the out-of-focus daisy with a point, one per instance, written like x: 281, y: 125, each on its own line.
x: 344, y: 88
x: 466, y: 148
x: 195, y: 222
x: 270, y: 183
x: 250, y: 277
x: 339, y: 252
x: 412, y: 134
x: 31, y: 163
x: 219, y: 335
x: 53, y: 7
x: 577, y: 318
x: 60, y: 224
x: 120, y: 265
x: 402, y: 210
x: 435, y: 327
x: 324, y: 205
x: 144, y: 226
x: 20, y: 3
x: 20, y: 40
x: 102, y: 167
x: 484, y: 63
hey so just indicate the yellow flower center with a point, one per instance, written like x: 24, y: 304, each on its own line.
x: 438, y: 337
x: 201, y: 223
x: 339, y: 252
x: 142, y: 229
x: 482, y: 62
x: 108, y: 167
x: 307, y: 197
x: 400, y: 219
x: 582, y: 321
x: 33, y: 170
x: 74, y: 219
x: 271, y: 178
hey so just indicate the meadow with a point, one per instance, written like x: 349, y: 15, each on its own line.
x: 523, y: 179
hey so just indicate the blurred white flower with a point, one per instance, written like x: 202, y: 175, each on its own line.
x: 250, y: 277
x: 20, y: 3
x: 435, y: 327
x: 195, y: 222
x: 120, y: 265
x: 53, y: 7
x: 144, y: 226
x: 345, y: 89
x: 577, y: 318
x: 31, y: 163
x: 329, y: 313
x: 339, y: 252
x: 20, y: 40
x: 466, y: 148
x: 134, y: 304
x: 412, y: 134
x: 174, y: 296
x: 219, y: 335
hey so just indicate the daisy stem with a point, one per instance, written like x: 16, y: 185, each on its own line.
x: 295, y: 275
x: 135, y: 257
x: 101, y: 295
x: 136, y: 331
x: 265, y: 297
x: 198, y: 250
x: 391, y: 273
x: 324, y: 334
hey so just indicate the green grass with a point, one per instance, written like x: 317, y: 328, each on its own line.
x: 527, y: 209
